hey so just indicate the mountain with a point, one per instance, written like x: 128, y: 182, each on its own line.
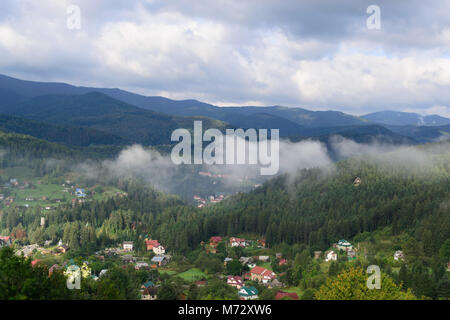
x: 18, y: 90
x: 67, y: 135
x: 100, y: 112
x: 396, y: 118
x: 423, y: 133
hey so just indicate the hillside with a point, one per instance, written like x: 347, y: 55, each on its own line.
x: 100, y: 112
x: 396, y: 118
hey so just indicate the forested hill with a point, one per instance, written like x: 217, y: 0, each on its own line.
x: 319, y: 208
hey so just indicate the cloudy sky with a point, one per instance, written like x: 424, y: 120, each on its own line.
x: 314, y: 54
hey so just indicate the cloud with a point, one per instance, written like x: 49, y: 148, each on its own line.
x: 313, y: 54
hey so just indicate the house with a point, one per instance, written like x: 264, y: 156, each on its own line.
x: 141, y: 265
x: 150, y: 293
x: 261, y: 274
x: 351, y: 255
x: 399, y: 255
x: 278, y: 255
x: 282, y: 262
x: 158, y: 250
x: 275, y: 283
x: 127, y: 245
x: 317, y: 254
x: 62, y: 248
x: 147, y: 284
x: 330, y: 256
x: 201, y: 283
x: 448, y: 266
x: 237, y: 242
x: 344, y: 245
x: 150, y: 244
x: 264, y: 258
x: 79, y: 192
x: 235, y: 281
x: 214, y: 241
x: 248, y: 293
x: 5, y: 241
x: 245, y: 260
x: 160, y: 260
x: 53, y: 268
x: 128, y: 258
x: 357, y: 181
x: 102, y: 272
x: 35, y: 262
x: 226, y: 260
x: 281, y: 295
x: 261, y: 243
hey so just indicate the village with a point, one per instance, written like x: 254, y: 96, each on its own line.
x: 253, y: 268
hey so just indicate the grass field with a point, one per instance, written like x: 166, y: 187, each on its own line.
x: 192, y: 274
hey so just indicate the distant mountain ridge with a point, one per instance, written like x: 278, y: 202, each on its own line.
x: 396, y: 118
x: 126, y: 117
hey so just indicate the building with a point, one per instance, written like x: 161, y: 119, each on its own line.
x: 235, y: 281
x: 5, y: 241
x: 282, y: 262
x: 148, y: 291
x: 127, y: 245
x: 399, y: 255
x: 160, y: 260
x: 158, y: 250
x: 351, y: 255
x: 226, y: 260
x: 264, y: 258
x: 317, y: 254
x: 248, y: 293
x: 150, y: 244
x: 261, y: 274
x: 344, y: 245
x: 214, y: 241
x: 281, y: 295
x: 141, y: 265
x: 237, y: 242
x: 330, y: 256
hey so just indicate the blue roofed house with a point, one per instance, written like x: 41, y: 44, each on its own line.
x: 344, y: 245
x: 80, y: 192
x: 160, y: 260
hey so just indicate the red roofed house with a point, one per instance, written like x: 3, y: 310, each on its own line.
x: 235, y: 281
x: 282, y: 262
x: 214, y: 241
x: 150, y: 244
x: 261, y: 274
x: 5, y: 241
x: 287, y: 295
x: 34, y: 262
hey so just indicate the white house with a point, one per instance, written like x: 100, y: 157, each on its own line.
x: 331, y: 256
x: 127, y: 245
x: 398, y: 255
x: 159, y: 249
x: 344, y: 245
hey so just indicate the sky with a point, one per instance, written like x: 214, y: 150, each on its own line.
x: 319, y: 55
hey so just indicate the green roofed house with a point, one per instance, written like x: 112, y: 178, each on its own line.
x: 344, y: 245
x: 248, y: 293
x: 148, y: 284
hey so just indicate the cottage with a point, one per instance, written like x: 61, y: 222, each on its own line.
x: 158, y: 250
x: 278, y: 255
x: 150, y: 293
x: 399, y: 255
x: 281, y: 295
x: 261, y: 274
x: 248, y: 293
x: 282, y: 262
x: 127, y: 245
x: 53, y: 268
x: 62, y: 248
x: 344, y: 245
x: 128, y: 258
x: 264, y: 258
x: 226, y: 260
x: 317, y: 254
x: 330, y: 256
x: 262, y: 243
x: 245, y: 260
x: 141, y: 265
x: 351, y: 255
x: 150, y: 244
x: 275, y: 283
x: 5, y: 241
x: 160, y: 260
x: 235, y: 281
x: 214, y: 241
x: 237, y: 242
